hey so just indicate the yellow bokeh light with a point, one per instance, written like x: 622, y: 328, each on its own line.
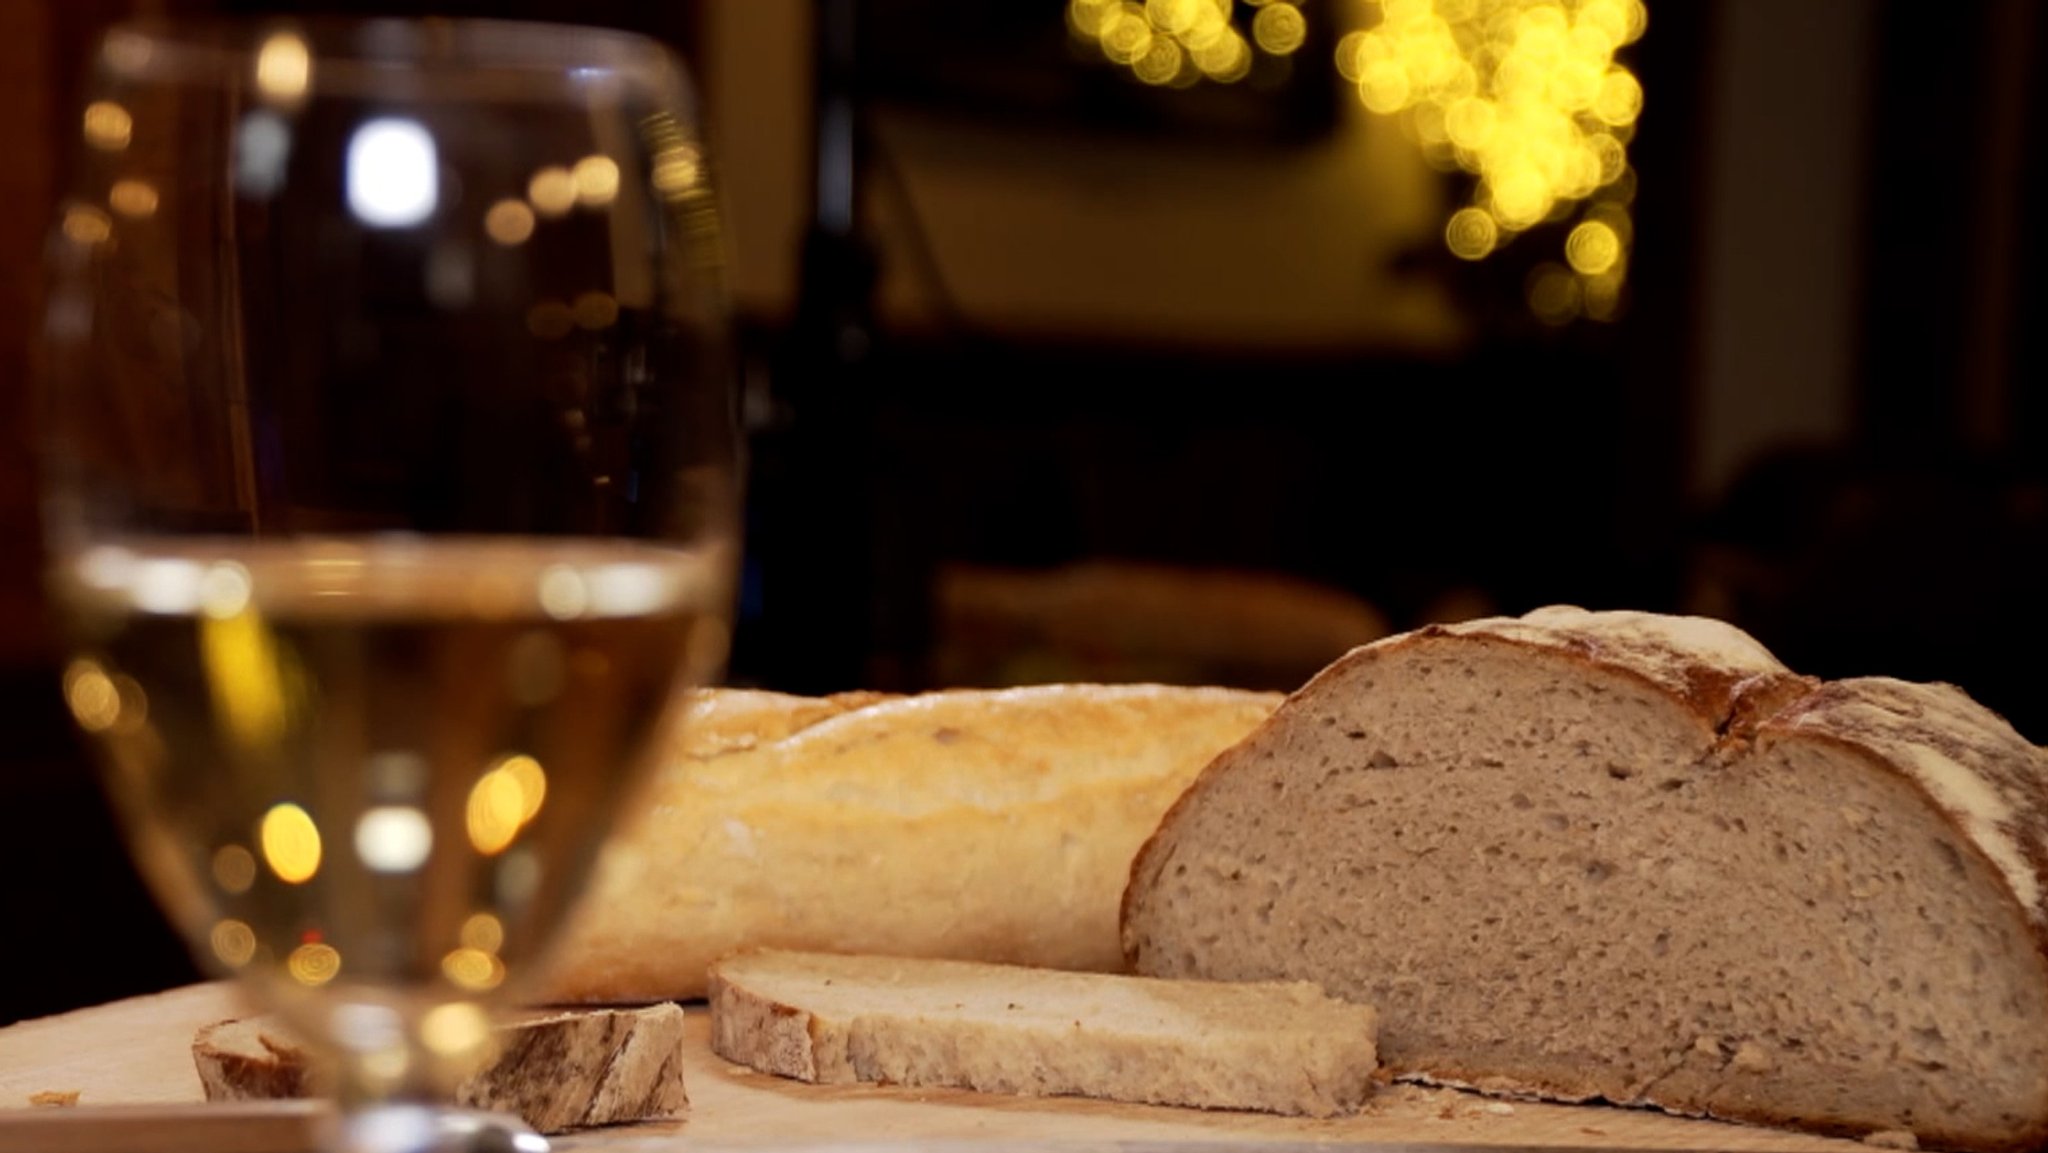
x: 503, y: 801
x: 473, y: 969
x: 108, y: 127
x: 1620, y: 98
x: 1525, y: 95
x: 1347, y: 55
x: 533, y: 783
x: 234, y: 869
x: 1157, y: 39
x: 1592, y: 248
x: 233, y: 942
x: 313, y: 964
x: 284, y: 67
x: 509, y: 222
x: 290, y: 842
x: 1470, y: 122
x: 595, y: 310
x: 1383, y: 85
x: 1087, y: 17
x: 91, y: 696
x: 483, y: 931
x: 597, y: 181
x: 1553, y: 294
x: 455, y: 1030
x: 1128, y: 37
x: 552, y: 191
x: 1471, y: 233
x: 135, y: 199
x: 85, y: 224
x: 1161, y: 62
x: 1279, y: 28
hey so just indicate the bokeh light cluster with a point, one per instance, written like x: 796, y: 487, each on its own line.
x: 1178, y: 43
x: 1527, y: 96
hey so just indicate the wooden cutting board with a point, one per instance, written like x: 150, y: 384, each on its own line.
x: 137, y: 1052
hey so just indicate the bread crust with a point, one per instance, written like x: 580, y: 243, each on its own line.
x: 985, y: 825
x: 1962, y: 761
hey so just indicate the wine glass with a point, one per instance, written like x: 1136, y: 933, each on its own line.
x: 390, y: 463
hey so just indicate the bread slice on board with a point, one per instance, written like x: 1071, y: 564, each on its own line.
x: 1631, y: 857
x: 556, y: 1071
x: 995, y: 826
x: 1274, y: 1047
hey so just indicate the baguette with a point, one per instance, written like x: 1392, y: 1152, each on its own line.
x: 1280, y: 1048
x: 1629, y: 857
x: 995, y: 826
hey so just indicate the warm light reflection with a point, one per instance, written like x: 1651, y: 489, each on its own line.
x: 1471, y: 233
x: 503, y: 801
x: 1179, y: 42
x: 1528, y: 96
x: 455, y: 1030
x: 509, y: 222
x: 552, y: 191
x: 1279, y: 28
x: 135, y: 199
x: 234, y: 869
x: 473, y: 969
x: 1592, y: 248
x: 290, y: 843
x: 233, y: 942
x: 483, y: 931
x: 284, y: 67
x: 92, y: 697
x: 597, y: 181
x: 246, y: 678
x: 85, y: 224
x: 394, y: 838
x: 314, y: 963
x: 108, y: 126
x: 595, y: 310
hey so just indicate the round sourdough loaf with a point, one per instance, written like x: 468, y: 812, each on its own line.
x: 1630, y: 857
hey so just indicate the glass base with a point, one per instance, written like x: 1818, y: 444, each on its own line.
x: 427, y: 1129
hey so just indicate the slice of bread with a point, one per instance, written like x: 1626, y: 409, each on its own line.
x: 1274, y: 1047
x: 1622, y: 856
x: 994, y: 826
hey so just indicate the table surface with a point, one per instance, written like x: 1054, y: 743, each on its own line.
x: 137, y: 1053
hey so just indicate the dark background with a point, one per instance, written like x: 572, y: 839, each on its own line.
x: 1821, y: 415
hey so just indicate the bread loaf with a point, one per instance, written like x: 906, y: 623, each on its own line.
x: 993, y: 826
x: 1622, y: 856
x: 1280, y: 1048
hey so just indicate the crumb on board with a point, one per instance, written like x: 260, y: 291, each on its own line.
x: 58, y: 1098
x: 1893, y: 1139
x: 1499, y: 1109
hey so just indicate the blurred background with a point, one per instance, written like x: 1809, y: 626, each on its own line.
x: 1199, y: 340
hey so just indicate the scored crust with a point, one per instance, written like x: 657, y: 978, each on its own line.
x: 1962, y: 764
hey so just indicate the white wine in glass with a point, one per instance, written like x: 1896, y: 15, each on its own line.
x: 391, y: 476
